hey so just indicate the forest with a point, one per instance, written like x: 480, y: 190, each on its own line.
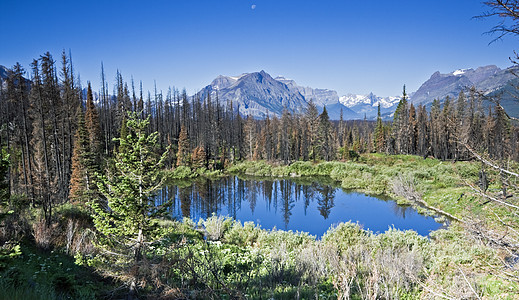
x: 55, y: 132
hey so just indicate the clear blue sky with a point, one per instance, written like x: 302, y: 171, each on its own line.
x: 350, y: 46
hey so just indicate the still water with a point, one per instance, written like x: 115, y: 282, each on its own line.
x: 310, y: 205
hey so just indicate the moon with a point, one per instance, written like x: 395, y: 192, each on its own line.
x: 253, y: 6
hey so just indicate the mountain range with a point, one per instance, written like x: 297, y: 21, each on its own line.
x: 491, y: 81
x: 258, y: 94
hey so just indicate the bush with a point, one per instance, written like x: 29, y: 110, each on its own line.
x: 216, y: 226
x: 301, y: 168
x: 346, y: 235
x: 246, y: 235
x: 182, y: 172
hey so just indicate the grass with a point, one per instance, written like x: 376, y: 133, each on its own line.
x: 222, y: 258
x: 38, y: 274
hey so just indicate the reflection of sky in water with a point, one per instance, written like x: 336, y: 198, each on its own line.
x: 291, y: 205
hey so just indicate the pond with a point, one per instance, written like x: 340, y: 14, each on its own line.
x: 310, y: 205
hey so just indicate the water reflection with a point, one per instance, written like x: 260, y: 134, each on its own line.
x: 290, y: 204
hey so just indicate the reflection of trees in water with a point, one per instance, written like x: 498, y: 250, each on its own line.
x: 325, y: 202
x: 267, y: 191
x: 204, y: 197
x: 251, y: 193
x: 275, y: 197
x: 185, y: 196
x: 399, y: 210
x: 201, y: 198
x: 234, y: 194
x: 308, y: 195
x: 168, y: 194
x: 288, y: 200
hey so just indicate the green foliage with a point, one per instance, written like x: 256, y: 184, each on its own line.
x: 222, y: 258
x: 346, y: 235
x: 129, y: 217
x: 38, y: 275
x: 243, y: 235
x: 8, y: 251
x: 215, y: 226
x: 182, y: 172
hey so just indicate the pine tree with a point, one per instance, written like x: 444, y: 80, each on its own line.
x: 400, y: 130
x: 198, y: 158
x: 325, y: 143
x: 128, y: 220
x: 79, y: 182
x: 312, y: 124
x: 93, y: 125
x: 501, y: 134
x: 412, y: 130
x: 4, y: 184
x: 423, y: 132
x: 380, y: 139
x: 42, y: 176
x: 183, y: 158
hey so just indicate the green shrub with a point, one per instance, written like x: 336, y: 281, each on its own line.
x: 301, y: 168
x: 216, y: 226
x: 243, y: 235
x: 346, y: 235
x: 182, y: 172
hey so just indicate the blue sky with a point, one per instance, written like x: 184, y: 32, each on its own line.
x: 349, y: 46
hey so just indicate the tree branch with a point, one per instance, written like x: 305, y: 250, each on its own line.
x: 488, y: 196
x: 487, y: 162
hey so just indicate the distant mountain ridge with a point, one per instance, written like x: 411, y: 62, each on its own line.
x: 367, y: 105
x: 258, y: 94
x: 487, y: 79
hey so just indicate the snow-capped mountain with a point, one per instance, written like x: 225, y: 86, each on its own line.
x: 367, y: 105
x: 258, y: 94
x: 490, y: 80
x: 322, y: 98
x: 439, y: 86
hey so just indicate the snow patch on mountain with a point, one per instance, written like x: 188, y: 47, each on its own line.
x: 460, y: 72
x: 354, y: 100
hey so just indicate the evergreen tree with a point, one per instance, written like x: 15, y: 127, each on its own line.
x: 400, y: 130
x: 380, y: 139
x: 423, y: 132
x: 128, y: 220
x: 93, y: 125
x: 326, y: 146
x: 79, y: 179
x: 501, y: 134
x: 412, y: 131
x: 312, y: 125
x: 4, y: 184
x: 183, y: 158
x: 198, y: 158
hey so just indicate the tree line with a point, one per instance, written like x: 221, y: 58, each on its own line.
x: 59, y: 134
x: 452, y: 130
